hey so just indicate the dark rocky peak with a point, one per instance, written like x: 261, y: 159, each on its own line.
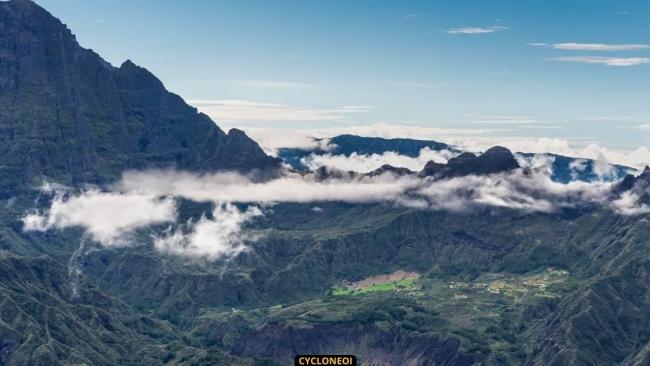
x: 432, y: 168
x: 495, y: 160
x: 237, y: 134
x: 387, y: 168
x: 462, y: 158
x: 130, y: 76
x: 645, y: 174
x: 327, y: 173
x: 630, y: 182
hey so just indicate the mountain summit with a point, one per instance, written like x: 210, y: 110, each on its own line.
x: 68, y: 115
x: 495, y: 160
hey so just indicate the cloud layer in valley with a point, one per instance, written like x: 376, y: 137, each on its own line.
x: 108, y: 217
x: 210, y: 238
x: 145, y: 198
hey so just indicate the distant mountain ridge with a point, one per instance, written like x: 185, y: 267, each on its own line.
x: 361, y: 145
x: 68, y: 115
x: 562, y: 168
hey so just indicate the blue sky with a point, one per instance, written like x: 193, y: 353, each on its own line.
x: 576, y: 70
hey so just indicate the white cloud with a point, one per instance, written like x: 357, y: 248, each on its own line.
x: 135, y: 202
x: 644, y: 127
x: 577, y: 166
x: 603, y: 169
x: 599, y: 47
x: 510, y: 120
x: 364, y: 163
x: 636, y: 158
x: 476, y: 30
x: 232, y: 187
x: 107, y: 216
x: 573, y: 46
x: 609, y: 61
x: 628, y: 204
x: 518, y: 190
x: 539, y: 162
x: 221, y: 236
x: 247, y: 111
x: 534, y: 192
x: 271, y: 139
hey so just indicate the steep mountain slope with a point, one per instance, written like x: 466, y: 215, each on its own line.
x: 69, y: 116
x: 47, y: 319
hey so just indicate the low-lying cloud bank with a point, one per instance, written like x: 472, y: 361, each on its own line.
x: 106, y: 216
x: 209, y: 238
x: 142, y: 199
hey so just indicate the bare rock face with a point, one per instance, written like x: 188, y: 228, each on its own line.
x: 68, y: 115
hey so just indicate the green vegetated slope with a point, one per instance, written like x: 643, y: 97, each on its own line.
x: 48, y: 318
x: 496, y: 286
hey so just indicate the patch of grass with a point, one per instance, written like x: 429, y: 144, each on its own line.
x: 404, y: 284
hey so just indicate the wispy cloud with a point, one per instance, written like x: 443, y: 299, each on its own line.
x: 409, y: 16
x: 418, y: 84
x: 247, y: 111
x: 644, y: 127
x: 602, y: 60
x: 573, y: 46
x: 510, y: 120
x: 476, y: 30
x: 279, y: 84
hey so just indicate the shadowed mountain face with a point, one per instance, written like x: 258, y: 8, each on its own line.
x: 495, y: 160
x: 68, y: 115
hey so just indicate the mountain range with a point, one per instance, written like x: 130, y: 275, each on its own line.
x: 563, y: 169
x: 394, y: 284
